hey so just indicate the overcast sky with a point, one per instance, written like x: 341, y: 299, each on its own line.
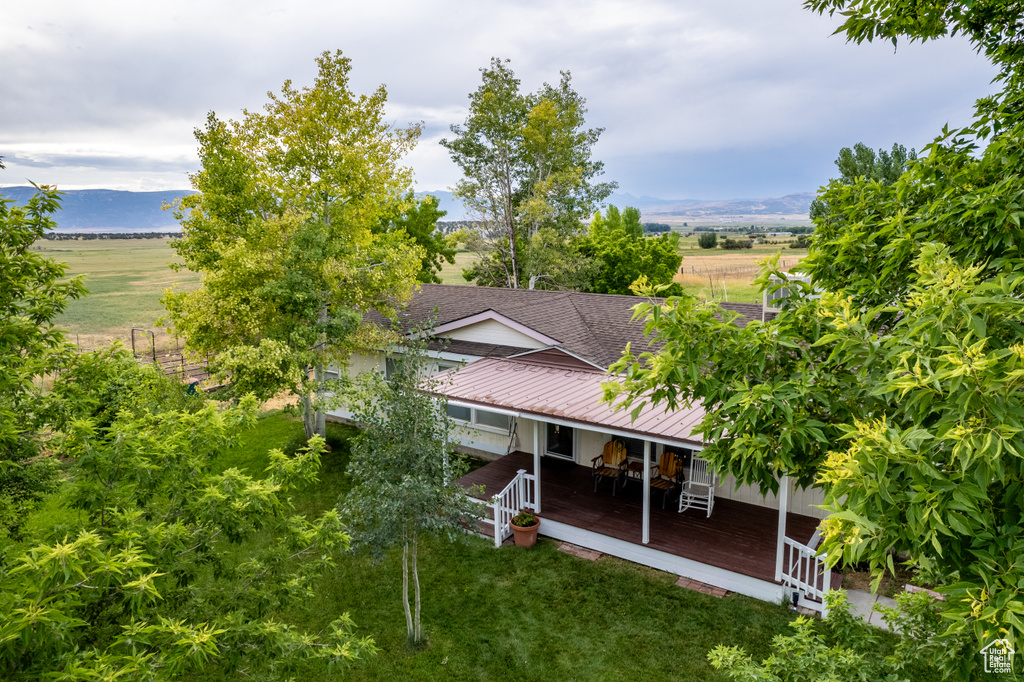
x: 700, y: 100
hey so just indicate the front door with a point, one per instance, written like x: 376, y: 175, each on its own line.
x: 559, y: 442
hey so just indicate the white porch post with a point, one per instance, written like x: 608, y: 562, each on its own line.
x: 647, y: 492
x: 780, y: 542
x: 536, y: 464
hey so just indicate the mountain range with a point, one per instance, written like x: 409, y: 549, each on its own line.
x: 107, y: 210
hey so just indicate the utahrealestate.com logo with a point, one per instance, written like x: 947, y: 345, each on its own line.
x: 998, y: 657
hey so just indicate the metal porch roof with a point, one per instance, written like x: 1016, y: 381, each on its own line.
x: 546, y: 391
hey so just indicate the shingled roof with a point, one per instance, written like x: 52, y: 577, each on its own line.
x: 595, y: 327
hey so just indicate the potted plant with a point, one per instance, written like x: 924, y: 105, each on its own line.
x: 525, y: 525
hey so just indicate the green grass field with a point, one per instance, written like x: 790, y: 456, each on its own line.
x: 125, y: 279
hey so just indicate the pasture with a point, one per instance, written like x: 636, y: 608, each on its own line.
x: 127, y: 277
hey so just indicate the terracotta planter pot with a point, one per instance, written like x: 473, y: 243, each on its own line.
x: 525, y: 536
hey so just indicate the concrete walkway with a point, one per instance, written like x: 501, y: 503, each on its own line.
x: 861, y: 603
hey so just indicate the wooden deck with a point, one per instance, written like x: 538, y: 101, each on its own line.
x: 738, y: 537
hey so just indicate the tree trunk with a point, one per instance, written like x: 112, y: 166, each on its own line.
x: 405, y: 590
x: 416, y: 584
x: 314, y: 420
x: 319, y: 416
x: 308, y: 415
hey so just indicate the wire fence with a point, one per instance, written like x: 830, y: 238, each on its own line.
x: 734, y: 272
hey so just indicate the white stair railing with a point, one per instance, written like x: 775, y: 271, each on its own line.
x: 806, y: 571
x: 519, y: 494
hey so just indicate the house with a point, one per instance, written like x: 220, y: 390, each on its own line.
x: 522, y: 373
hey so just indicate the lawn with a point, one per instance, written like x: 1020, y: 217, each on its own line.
x: 513, y: 614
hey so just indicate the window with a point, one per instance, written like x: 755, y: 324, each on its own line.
x: 390, y: 367
x: 493, y: 419
x: 443, y: 365
x: 635, y: 447
x: 459, y: 412
x: 484, y: 418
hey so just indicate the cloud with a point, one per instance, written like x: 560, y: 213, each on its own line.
x: 756, y: 92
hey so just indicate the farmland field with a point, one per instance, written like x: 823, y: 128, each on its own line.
x: 127, y: 277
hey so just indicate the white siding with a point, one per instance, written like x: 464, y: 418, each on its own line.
x: 492, y: 331
x: 590, y: 444
x: 801, y: 500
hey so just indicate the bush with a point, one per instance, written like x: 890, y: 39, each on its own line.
x: 801, y: 242
x: 707, y: 240
x: 733, y: 244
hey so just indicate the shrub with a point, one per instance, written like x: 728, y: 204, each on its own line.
x: 707, y: 240
x: 733, y: 244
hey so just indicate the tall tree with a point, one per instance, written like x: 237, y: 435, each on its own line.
x: 898, y: 391
x: 623, y: 254
x: 404, y: 466
x: 284, y: 231
x: 33, y: 293
x: 418, y: 218
x: 527, y: 165
x: 863, y: 162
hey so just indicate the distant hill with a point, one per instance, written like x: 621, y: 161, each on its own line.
x: 107, y: 210
x: 792, y: 206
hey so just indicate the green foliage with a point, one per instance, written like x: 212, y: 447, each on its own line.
x: 524, y: 519
x: 285, y: 231
x: 404, y: 467
x: 801, y: 242
x: 527, y: 164
x: 736, y: 244
x: 862, y: 162
x: 843, y: 649
x: 418, y: 219
x: 33, y: 293
x: 708, y: 240
x: 98, y: 385
x: 623, y: 255
x: 898, y: 390
x: 147, y: 585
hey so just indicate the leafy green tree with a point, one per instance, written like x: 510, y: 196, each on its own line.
x: 624, y: 255
x: 898, y: 390
x: 33, y: 293
x: 863, y: 162
x: 405, y: 467
x: 284, y: 230
x: 151, y: 580
x: 527, y: 165
x: 418, y: 219
x: 708, y: 240
x: 843, y: 649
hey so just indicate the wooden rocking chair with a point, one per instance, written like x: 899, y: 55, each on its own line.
x: 611, y: 463
x: 699, y: 488
x: 667, y: 475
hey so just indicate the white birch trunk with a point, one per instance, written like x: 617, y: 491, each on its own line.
x: 405, y: 589
x: 416, y: 584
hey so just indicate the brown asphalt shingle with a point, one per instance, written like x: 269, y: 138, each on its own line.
x: 596, y: 327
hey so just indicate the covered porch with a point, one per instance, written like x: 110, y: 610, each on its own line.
x: 738, y: 538
x: 555, y: 402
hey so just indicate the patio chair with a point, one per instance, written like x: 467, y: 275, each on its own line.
x: 699, y: 487
x: 667, y: 475
x: 611, y: 463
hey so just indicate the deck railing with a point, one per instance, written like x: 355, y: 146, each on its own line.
x: 519, y: 494
x: 804, y: 570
